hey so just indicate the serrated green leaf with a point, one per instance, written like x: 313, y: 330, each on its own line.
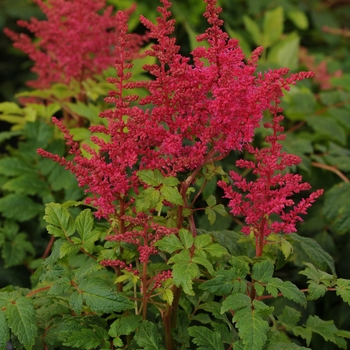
x: 273, y: 26
x: 219, y: 285
x: 316, y: 291
x: 204, y: 262
x: 303, y: 332
x: 68, y: 248
x: 76, y: 302
x: 87, y: 338
x: 184, y: 271
x: 101, y: 297
x: 252, y: 329
x: 84, y: 222
x: 236, y: 302
x: 289, y: 317
x: 148, y: 337
x: 343, y: 289
x: 263, y: 271
x: 170, y: 181
x: 201, y: 241
x: 205, y: 338
x: 19, y: 207
x: 172, y: 195
x: 59, y: 287
x: 326, y: 329
x: 20, y: 316
x: 169, y: 244
x: 61, y: 222
x: 314, y: 251
x: 186, y: 238
x: 4, y: 331
x: 317, y: 275
x: 262, y: 309
x: 328, y: 127
x: 220, y: 209
x: 215, y: 250
x: 210, y: 213
x: 148, y: 199
x: 286, y: 346
x: 211, y: 200
x: 150, y: 177
x: 288, y: 290
x: 125, y: 325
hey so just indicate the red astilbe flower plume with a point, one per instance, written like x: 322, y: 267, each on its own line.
x: 75, y: 41
x: 271, y: 193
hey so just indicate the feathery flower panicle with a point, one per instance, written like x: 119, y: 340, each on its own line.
x: 271, y: 193
x: 75, y: 41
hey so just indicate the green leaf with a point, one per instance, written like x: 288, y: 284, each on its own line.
x: 148, y: 199
x: 61, y: 222
x: 343, y: 289
x: 285, y: 52
x: 263, y: 271
x: 150, y: 177
x: 125, y: 325
x: 19, y: 207
x: 327, y: 330
x: 314, y: 251
x: 172, y: 195
x: 210, y: 213
x: 201, y: 241
x: 89, y: 111
x: 205, y: 338
x: 4, y: 331
x: 186, y: 238
x: 59, y: 287
x: 20, y: 316
x: 76, y: 302
x: 211, y: 200
x: 215, y: 250
x: 84, y: 222
x: 184, y: 271
x: 289, y: 317
x: 219, y: 285
x: 148, y: 337
x: 252, y: 329
x: 27, y: 184
x: 170, y: 181
x: 87, y: 338
x: 316, y: 291
x: 236, y: 302
x: 220, y: 209
x: 299, y: 18
x: 253, y: 29
x: 337, y: 207
x: 13, y: 166
x: 273, y: 26
x: 169, y: 244
x: 101, y: 297
x: 204, y: 262
x: 288, y: 289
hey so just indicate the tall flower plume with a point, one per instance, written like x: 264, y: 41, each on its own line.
x: 76, y: 40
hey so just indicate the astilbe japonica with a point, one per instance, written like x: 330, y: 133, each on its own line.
x: 76, y: 40
x: 199, y: 109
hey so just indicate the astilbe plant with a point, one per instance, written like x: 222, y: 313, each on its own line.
x: 142, y: 182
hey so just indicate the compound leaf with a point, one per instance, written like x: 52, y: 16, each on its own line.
x: 148, y: 336
x: 205, y: 338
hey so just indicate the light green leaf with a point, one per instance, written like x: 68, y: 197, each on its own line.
x: 205, y: 338
x: 61, y: 222
x: 204, y: 262
x: 220, y: 209
x: 263, y: 271
x: 150, y: 177
x: 169, y: 244
x: 101, y: 297
x: 20, y: 316
x: 253, y: 30
x: 201, y: 241
x: 84, y: 222
x: 172, y: 195
x: 215, y: 250
x: 170, y: 181
x: 285, y: 52
x: 210, y: 213
x: 343, y: 289
x: 4, y: 331
x: 186, y: 238
x: 148, y: 199
x: 316, y: 291
x: 211, y: 200
x: 299, y: 18
x: 125, y: 325
x: 236, y: 302
x: 68, y: 248
x: 273, y: 26
x: 148, y: 337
